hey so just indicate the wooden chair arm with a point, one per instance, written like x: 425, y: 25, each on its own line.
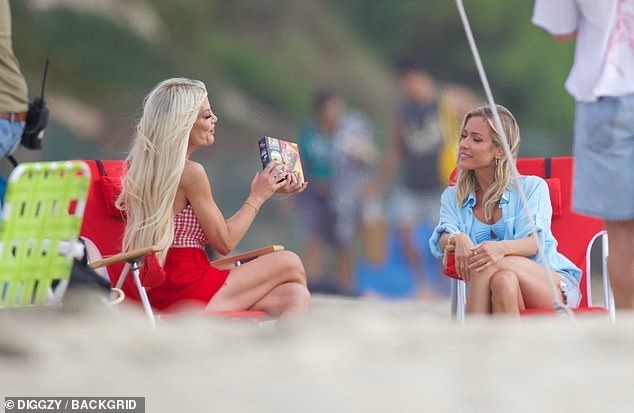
x: 123, y: 256
x: 247, y: 256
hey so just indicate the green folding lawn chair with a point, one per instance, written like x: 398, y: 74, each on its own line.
x: 39, y: 231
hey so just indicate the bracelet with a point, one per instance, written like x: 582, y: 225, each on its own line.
x: 252, y: 206
x: 451, y: 242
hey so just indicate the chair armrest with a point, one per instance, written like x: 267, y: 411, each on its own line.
x: 247, y: 256
x: 117, y: 295
x: 123, y: 256
x: 449, y: 265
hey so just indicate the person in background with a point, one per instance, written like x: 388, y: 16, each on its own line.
x: 337, y: 150
x: 353, y: 161
x: 14, y: 101
x: 602, y: 82
x: 414, y: 154
x: 483, y: 219
x: 167, y: 199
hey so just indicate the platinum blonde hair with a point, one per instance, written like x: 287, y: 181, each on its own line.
x: 156, y: 162
x: 503, y: 172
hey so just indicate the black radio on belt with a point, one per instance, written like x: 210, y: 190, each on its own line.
x: 36, y: 119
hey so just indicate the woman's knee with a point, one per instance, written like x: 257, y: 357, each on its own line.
x: 299, y: 297
x: 289, y: 263
x: 290, y: 297
x: 503, y: 284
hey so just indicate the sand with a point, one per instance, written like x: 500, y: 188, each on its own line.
x: 348, y: 355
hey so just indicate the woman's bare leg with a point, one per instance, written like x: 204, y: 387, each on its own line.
x: 533, y: 281
x: 479, y: 293
x: 534, y: 287
x: 253, y: 282
x: 286, y: 301
x: 506, y: 296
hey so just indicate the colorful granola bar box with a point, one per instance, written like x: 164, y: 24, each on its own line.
x: 279, y: 150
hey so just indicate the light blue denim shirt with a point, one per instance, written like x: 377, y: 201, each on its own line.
x: 461, y: 219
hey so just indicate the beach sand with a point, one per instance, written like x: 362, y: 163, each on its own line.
x: 348, y: 355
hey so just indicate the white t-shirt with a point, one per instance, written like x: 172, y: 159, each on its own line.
x: 604, y: 52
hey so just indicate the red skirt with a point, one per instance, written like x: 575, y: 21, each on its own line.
x: 190, y: 280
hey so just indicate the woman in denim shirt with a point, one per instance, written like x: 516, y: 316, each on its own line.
x: 496, y: 251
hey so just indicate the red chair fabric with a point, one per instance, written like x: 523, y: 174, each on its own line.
x: 152, y: 273
x: 101, y: 224
x: 105, y: 224
x: 450, y: 266
x: 573, y: 231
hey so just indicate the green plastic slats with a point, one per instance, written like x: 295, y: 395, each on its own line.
x: 42, y: 213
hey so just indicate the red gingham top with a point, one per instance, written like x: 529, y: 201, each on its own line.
x: 187, y: 230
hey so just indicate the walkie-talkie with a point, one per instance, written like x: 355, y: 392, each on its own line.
x: 36, y: 119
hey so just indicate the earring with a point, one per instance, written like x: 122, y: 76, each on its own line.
x: 497, y: 162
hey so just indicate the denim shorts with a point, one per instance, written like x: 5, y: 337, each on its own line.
x: 570, y: 290
x: 604, y: 155
x: 318, y: 216
x: 10, y: 136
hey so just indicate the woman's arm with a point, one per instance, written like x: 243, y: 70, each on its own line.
x: 456, y: 239
x: 490, y: 253
x: 524, y: 247
x: 443, y: 240
x: 224, y: 235
x: 448, y: 223
x: 462, y: 247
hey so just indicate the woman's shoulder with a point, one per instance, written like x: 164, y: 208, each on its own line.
x: 531, y: 181
x: 449, y: 194
x: 193, y: 167
x: 451, y: 189
x: 193, y: 172
x: 533, y: 185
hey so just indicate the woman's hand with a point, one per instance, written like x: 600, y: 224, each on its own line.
x: 485, y: 255
x: 293, y: 184
x: 462, y: 254
x: 266, y: 183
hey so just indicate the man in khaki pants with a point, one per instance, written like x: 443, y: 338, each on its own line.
x: 13, y: 92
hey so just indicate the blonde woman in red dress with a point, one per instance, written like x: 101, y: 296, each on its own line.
x: 168, y: 202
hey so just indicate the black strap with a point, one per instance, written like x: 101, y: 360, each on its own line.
x: 547, y: 168
x: 102, y: 169
x: 12, y: 160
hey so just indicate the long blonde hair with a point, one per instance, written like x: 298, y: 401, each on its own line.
x: 156, y: 162
x: 466, y: 181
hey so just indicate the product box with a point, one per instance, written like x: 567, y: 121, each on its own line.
x: 279, y: 150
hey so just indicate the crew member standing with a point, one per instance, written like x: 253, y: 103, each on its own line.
x: 14, y: 101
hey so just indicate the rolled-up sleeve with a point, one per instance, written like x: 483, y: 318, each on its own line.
x: 556, y: 16
x: 449, y: 220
